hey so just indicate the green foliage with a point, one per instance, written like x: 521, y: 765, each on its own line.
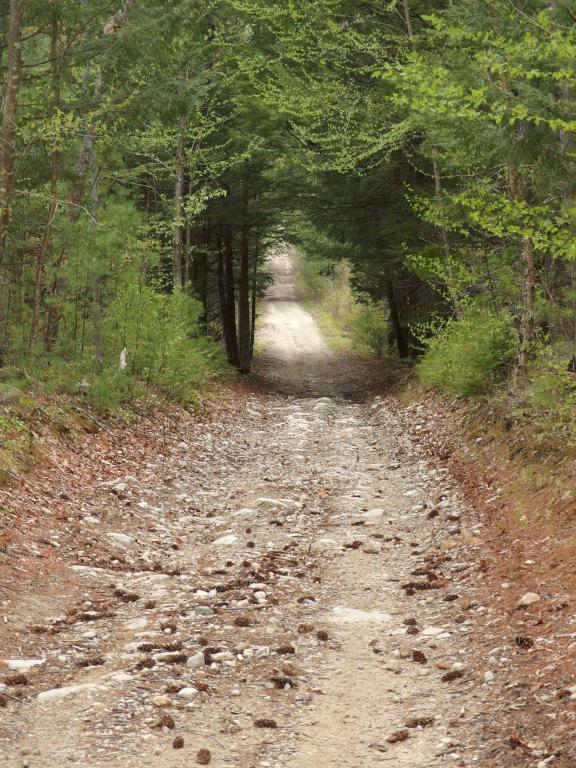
x: 551, y: 395
x: 14, y: 437
x: 411, y: 150
x: 348, y: 324
x: 469, y: 355
x: 164, y: 344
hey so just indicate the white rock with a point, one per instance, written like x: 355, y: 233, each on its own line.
x: 373, y: 514
x: 196, y: 661
x: 120, y: 538
x: 226, y: 541
x: 372, y: 548
x: 139, y: 623
x: 433, y: 631
x: 56, y: 694
x: 245, y: 512
x: 325, y: 545
x: 489, y: 676
x: 528, y: 599
x: 132, y: 647
x: 223, y: 656
x: 260, y: 596
x: 121, y: 677
x: 270, y: 503
x: 355, y: 616
x: 188, y: 693
x: 24, y: 664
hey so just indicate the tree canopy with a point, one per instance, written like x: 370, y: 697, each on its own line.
x: 153, y: 150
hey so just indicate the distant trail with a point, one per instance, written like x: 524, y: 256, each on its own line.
x: 295, y: 359
x: 289, y: 332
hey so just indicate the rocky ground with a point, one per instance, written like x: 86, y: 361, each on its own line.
x: 295, y: 581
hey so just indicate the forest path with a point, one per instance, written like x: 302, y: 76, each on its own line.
x: 250, y: 575
x: 293, y: 357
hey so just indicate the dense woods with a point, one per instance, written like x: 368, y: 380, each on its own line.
x: 152, y: 151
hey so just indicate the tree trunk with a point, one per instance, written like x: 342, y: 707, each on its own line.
x: 97, y: 279
x: 244, y: 288
x: 399, y: 335
x: 178, y: 207
x: 74, y: 212
x: 438, y: 190
x: 528, y: 321
x: 12, y: 89
x: 43, y: 251
x: 408, y: 22
x: 227, y: 294
x: 9, y: 111
x: 53, y: 205
x: 254, y: 300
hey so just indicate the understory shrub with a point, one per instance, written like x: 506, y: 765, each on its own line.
x: 551, y: 394
x: 165, y: 350
x: 350, y: 323
x: 164, y: 344
x: 471, y: 354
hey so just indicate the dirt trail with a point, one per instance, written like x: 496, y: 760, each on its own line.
x: 283, y: 566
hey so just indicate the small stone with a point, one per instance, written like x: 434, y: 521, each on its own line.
x: 270, y: 503
x: 22, y: 664
x: 57, y: 694
x: 120, y: 538
x: 203, y: 610
x: 196, y: 661
x: 245, y: 512
x: 139, y: 623
x: 325, y: 545
x: 226, y: 541
x: 162, y: 701
x: 371, y: 548
x: 373, y: 514
x: 188, y: 693
x: 528, y: 599
x: 178, y: 743
x: 489, y: 676
x: 355, y: 616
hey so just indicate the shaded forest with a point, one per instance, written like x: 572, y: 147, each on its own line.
x: 153, y: 151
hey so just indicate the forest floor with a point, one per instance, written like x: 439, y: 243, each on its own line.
x: 308, y: 575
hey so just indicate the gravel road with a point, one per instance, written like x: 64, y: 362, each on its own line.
x: 273, y: 590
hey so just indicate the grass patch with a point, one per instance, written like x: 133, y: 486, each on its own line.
x: 469, y: 355
x: 349, y: 324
